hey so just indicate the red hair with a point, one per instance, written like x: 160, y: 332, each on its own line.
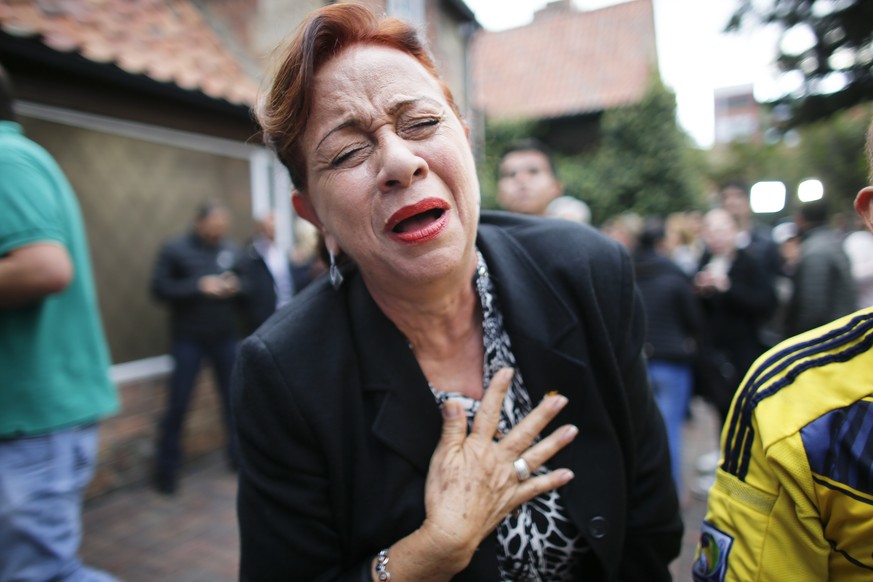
x: 284, y: 110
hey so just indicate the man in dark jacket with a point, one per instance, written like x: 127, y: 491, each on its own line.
x: 193, y: 274
x: 756, y: 240
x: 269, y: 276
x: 823, y: 286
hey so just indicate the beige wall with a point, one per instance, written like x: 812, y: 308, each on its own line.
x: 134, y: 194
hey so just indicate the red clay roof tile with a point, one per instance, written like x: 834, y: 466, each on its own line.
x: 168, y: 40
x: 566, y: 63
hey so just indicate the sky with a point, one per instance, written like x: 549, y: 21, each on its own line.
x: 695, y: 57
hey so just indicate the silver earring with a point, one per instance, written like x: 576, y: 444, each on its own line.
x: 336, y: 278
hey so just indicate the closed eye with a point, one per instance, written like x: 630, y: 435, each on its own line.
x: 345, y: 157
x: 421, y: 127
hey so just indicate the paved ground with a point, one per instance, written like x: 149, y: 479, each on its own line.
x: 701, y: 437
x: 141, y: 536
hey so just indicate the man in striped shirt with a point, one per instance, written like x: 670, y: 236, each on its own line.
x: 793, y: 497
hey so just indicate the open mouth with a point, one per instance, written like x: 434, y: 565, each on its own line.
x: 418, y: 222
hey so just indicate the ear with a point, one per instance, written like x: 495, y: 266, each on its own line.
x: 864, y: 206
x: 303, y: 207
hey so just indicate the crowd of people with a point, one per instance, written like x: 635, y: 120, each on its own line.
x: 719, y: 287
x: 754, y: 286
x: 424, y: 410
x: 772, y: 326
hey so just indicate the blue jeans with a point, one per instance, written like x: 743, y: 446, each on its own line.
x: 671, y: 384
x: 42, y: 484
x: 187, y: 355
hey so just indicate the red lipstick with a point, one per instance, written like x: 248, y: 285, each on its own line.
x: 419, y: 222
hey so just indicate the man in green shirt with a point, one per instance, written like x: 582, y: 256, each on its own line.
x: 54, y: 385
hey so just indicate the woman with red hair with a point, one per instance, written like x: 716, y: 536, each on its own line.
x: 414, y: 415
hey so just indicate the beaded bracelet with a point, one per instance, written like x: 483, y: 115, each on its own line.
x: 382, y: 559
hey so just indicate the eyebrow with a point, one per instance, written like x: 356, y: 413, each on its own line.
x: 347, y: 123
x: 395, y: 107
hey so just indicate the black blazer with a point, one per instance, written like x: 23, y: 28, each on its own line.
x: 180, y: 264
x: 258, y: 288
x: 337, y: 424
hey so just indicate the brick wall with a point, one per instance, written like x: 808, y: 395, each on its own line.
x: 127, y: 440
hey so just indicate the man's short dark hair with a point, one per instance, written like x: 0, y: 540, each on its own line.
x: 652, y: 234
x: 530, y: 144
x: 815, y: 212
x: 736, y: 184
x: 208, y: 207
x: 7, y: 112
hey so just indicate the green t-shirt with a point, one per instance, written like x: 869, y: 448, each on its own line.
x: 54, y: 363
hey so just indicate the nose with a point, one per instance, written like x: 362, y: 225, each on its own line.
x: 520, y: 179
x: 400, y: 166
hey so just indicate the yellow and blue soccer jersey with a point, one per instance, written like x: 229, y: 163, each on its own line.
x: 793, y: 496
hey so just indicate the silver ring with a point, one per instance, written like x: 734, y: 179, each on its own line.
x: 522, y: 469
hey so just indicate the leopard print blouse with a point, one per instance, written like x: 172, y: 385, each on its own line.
x: 538, y: 542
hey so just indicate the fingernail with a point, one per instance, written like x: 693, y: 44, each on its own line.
x: 449, y: 410
x: 570, y: 432
x: 559, y: 401
x: 567, y: 475
x: 506, y: 373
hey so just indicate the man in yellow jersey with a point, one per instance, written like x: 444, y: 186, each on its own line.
x: 793, y: 497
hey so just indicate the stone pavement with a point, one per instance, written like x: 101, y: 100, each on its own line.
x: 141, y: 536
x: 701, y: 436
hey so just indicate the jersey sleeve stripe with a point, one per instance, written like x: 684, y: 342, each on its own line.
x: 780, y: 369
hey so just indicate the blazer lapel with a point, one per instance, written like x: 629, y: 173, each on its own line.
x: 545, y: 332
x: 547, y: 338
x: 535, y: 315
x: 407, y: 418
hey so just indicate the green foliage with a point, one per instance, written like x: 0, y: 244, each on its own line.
x: 834, y: 151
x: 830, y: 150
x: 843, y: 35
x: 749, y: 161
x: 644, y: 162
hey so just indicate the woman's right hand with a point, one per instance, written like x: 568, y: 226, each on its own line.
x: 472, y: 484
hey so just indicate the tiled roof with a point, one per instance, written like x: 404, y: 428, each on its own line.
x: 566, y: 62
x: 166, y: 40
